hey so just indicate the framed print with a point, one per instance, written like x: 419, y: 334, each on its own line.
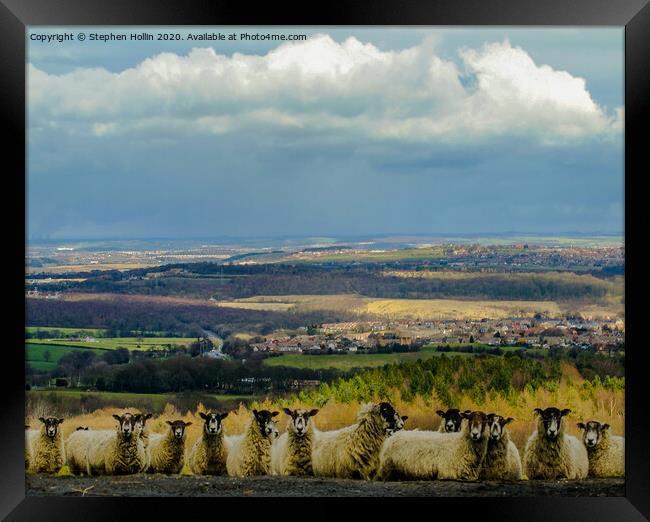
x: 377, y: 252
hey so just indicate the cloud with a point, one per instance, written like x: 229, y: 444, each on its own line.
x: 328, y: 91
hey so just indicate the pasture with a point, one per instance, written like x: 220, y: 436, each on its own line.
x: 110, y: 343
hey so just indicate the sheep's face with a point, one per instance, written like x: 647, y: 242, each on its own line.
x: 476, y: 423
x: 396, y: 425
x: 300, y: 420
x: 592, y: 432
x: 141, y: 421
x: 178, y: 428
x: 451, y: 419
x: 550, y: 421
x: 212, y: 422
x: 496, y: 424
x: 51, y: 425
x: 264, y: 419
x: 127, y: 424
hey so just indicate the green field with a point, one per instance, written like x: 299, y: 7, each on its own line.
x: 109, y: 343
x: 349, y: 361
x: 36, y: 358
x: 372, y: 360
x: 65, y: 331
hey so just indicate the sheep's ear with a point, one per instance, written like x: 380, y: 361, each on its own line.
x: 508, y: 421
x: 223, y: 415
x: 203, y: 415
x: 117, y: 417
x: 538, y: 411
x: 465, y: 414
x: 59, y: 421
x: 441, y: 413
x: 604, y: 427
x: 313, y: 412
x: 287, y: 411
x: 42, y: 419
x: 404, y: 417
x: 188, y: 424
x: 255, y: 412
x: 581, y: 426
x: 147, y: 416
x: 565, y: 411
x: 274, y: 413
x: 169, y: 422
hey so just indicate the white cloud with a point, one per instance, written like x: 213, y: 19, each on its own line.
x: 347, y: 89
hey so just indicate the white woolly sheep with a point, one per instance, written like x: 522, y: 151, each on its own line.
x: 119, y: 452
x: 166, y: 452
x: 502, y: 461
x: 250, y: 454
x: 550, y: 453
x: 76, y: 447
x: 606, y: 452
x: 353, y: 451
x: 208, y: 454
x: 451, y: 420
x: 45, y: 447
x: 291, y: 452
x: 432, y: 454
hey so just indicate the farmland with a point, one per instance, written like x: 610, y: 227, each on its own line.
x: 349, y: 361
x: 37, y: 354
x: 110, y: 343
x: 430, y: 309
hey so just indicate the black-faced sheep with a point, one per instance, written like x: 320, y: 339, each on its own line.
x: 208, y: 454
x: 166, y: 452
x: 291, y: 452
x: 353, y: 451
x: 119, y: 452
x: 250, y: 454
x: 451, y: 420
x: 432, y: 454
x: 606, y: 452
x: 502, y: 461
x: 550, y: 453
x: 45, y: 447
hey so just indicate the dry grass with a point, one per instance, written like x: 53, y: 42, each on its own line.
x: 428, y: 309
x: 603, y: 405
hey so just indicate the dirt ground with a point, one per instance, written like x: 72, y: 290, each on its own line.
x: 193, y: 486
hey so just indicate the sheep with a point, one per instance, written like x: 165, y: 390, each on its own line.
x: 397, y: 425
x: 432, y: 454
x: 451, y: 420
x: 502, y: 461
x: 166, y: 452
x: 353, y: 451
x: 250, y: 454
x: 76, y: 447
x: 143, y: 433
x: 27, y: 446
x: 116, y: 453
x: 291, y: 452
x: 208, y: 454
x: 45, y: 447
x: 552, y: 454
x: 606, y: 452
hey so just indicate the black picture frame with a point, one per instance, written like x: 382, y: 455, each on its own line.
x: 634, y: 15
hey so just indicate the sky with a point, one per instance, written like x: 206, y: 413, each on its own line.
x: 351, y: 132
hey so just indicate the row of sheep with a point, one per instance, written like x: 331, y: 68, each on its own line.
x: 469, y: 445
